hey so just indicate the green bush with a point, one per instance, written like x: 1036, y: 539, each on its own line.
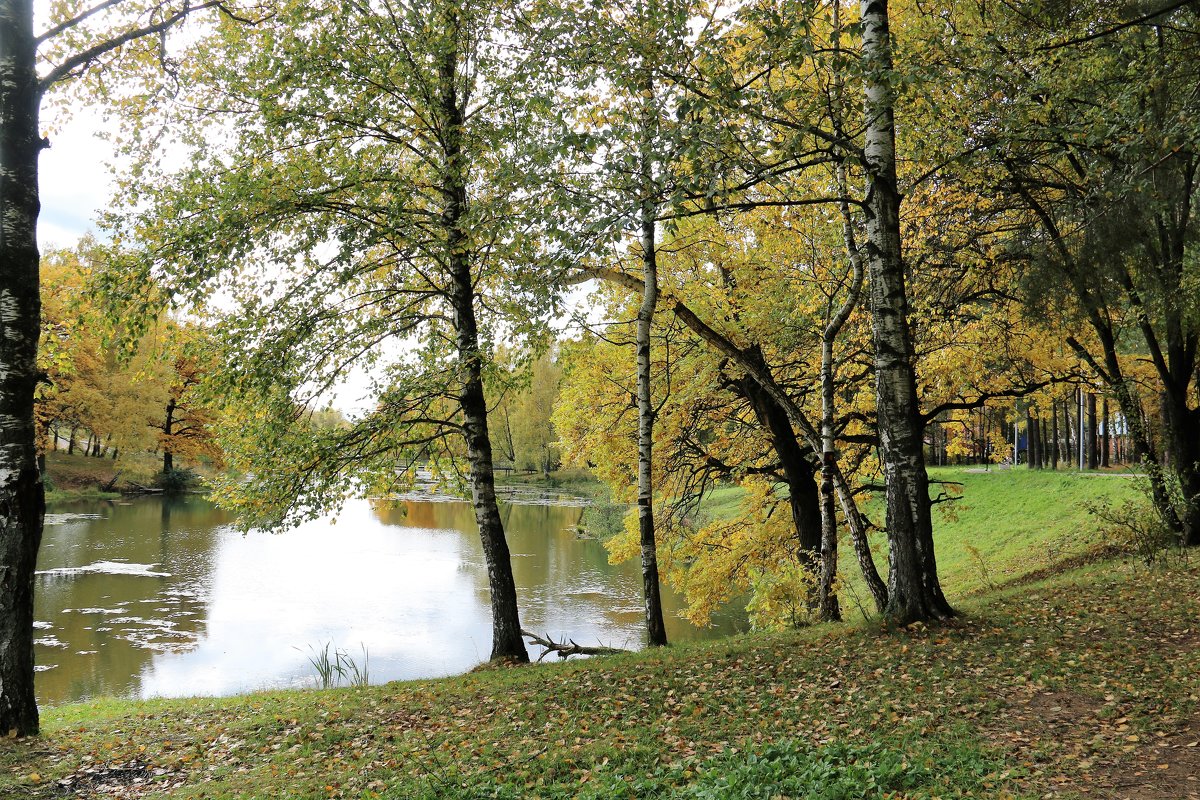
x: 177, y: 481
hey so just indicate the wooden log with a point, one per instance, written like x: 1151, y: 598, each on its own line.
x: 568, y: 648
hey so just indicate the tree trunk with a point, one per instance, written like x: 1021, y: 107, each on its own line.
x: 507, y: 642
x: 1106, y: 440
x: 168, y: 462
x: 827, y: 599
x: 1067, y: 450
x: 914, y: 592
x: 803, y: 499
x: 1092, y: 461
x: 656, y: 631
x: 1030, y: 440
x: 1039, y: 443
x: 1044, y: 442
x: 1054, y: 449
x: 1183, y: 442
x: 1080, y: 431
x: 798, y: 471
x: 22, y: 498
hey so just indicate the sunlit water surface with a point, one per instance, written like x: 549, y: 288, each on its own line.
x: 163, y: 597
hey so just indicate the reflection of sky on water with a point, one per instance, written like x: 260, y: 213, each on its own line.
x: 164, y: 598
x: 276, y: 597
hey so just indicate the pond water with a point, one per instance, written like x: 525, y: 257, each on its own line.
x: 163, y: 597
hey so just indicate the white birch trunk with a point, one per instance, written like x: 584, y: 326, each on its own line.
x: 22, y: 502
x: 914, y: 592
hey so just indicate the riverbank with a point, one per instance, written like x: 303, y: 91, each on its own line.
x: 80, y: 477
x: 1086, y: 682
x: 1059, y: 680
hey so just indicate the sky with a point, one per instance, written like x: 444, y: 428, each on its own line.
x: 75, y: 182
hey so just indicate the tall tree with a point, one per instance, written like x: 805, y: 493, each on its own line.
x: 386, y: 213
x: 634, y: 123
x: 22, y: 500
x: 78, y: 37
x: 914, y: 592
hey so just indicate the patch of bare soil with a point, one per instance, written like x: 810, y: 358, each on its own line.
x: 129, y: 780
x: 1049, y: 733
x: 1167, y: 768
x: 1070, y: 748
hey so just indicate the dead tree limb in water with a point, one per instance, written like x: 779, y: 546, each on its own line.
x: 568, y: 648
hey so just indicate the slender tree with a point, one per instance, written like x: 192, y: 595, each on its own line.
x: 388, y: 213
x: 914, y: 592
x: 77, y: 38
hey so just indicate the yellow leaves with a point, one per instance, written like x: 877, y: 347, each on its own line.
x: 626, y: 544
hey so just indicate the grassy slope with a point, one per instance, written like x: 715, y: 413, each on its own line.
x: 1080, y: 682
x: 79, y: 476
x: 1012, y: 523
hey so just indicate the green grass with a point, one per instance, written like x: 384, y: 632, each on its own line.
x: 1066, y: 683
x: 80, y: 477
x: 1013, y: 523
x: 576, y: 481
x: 1005, y: 526
x: 1072, y: 683
x: 723, y: 502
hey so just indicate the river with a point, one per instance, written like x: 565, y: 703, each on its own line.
x: 164, y: 597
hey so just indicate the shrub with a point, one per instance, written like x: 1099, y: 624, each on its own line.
x: 177, y: 481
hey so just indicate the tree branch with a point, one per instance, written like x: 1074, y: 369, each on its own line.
x: 565, y: 650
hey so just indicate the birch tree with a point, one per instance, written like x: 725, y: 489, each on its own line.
x: 914, y: 591
x: 78, y: 37
x: 636, y: 129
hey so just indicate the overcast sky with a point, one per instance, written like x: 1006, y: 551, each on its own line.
x: 75, y: 183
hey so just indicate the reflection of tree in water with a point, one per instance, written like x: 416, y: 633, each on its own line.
x: 443, y: 515
x: 563, y: 581
x: 106, y: 628
x: 566, y: 584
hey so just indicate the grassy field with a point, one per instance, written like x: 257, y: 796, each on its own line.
x: 78, y: 476
x: 1083, y: 682
x: 1010, y: 524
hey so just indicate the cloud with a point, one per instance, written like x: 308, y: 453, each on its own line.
x: 74, y: 178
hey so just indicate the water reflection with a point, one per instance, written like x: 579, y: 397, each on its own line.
x: 164, y: 597
x: 100, y: 627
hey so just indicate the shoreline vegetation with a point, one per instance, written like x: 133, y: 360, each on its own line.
x: 1073, y: 672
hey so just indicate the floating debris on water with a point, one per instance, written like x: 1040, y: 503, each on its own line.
x: 50, y: 641
x: 109, y: 568
x: 62, y: 519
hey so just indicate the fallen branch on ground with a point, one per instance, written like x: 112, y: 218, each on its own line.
x: 108, y: 487
x: 568, y: 648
